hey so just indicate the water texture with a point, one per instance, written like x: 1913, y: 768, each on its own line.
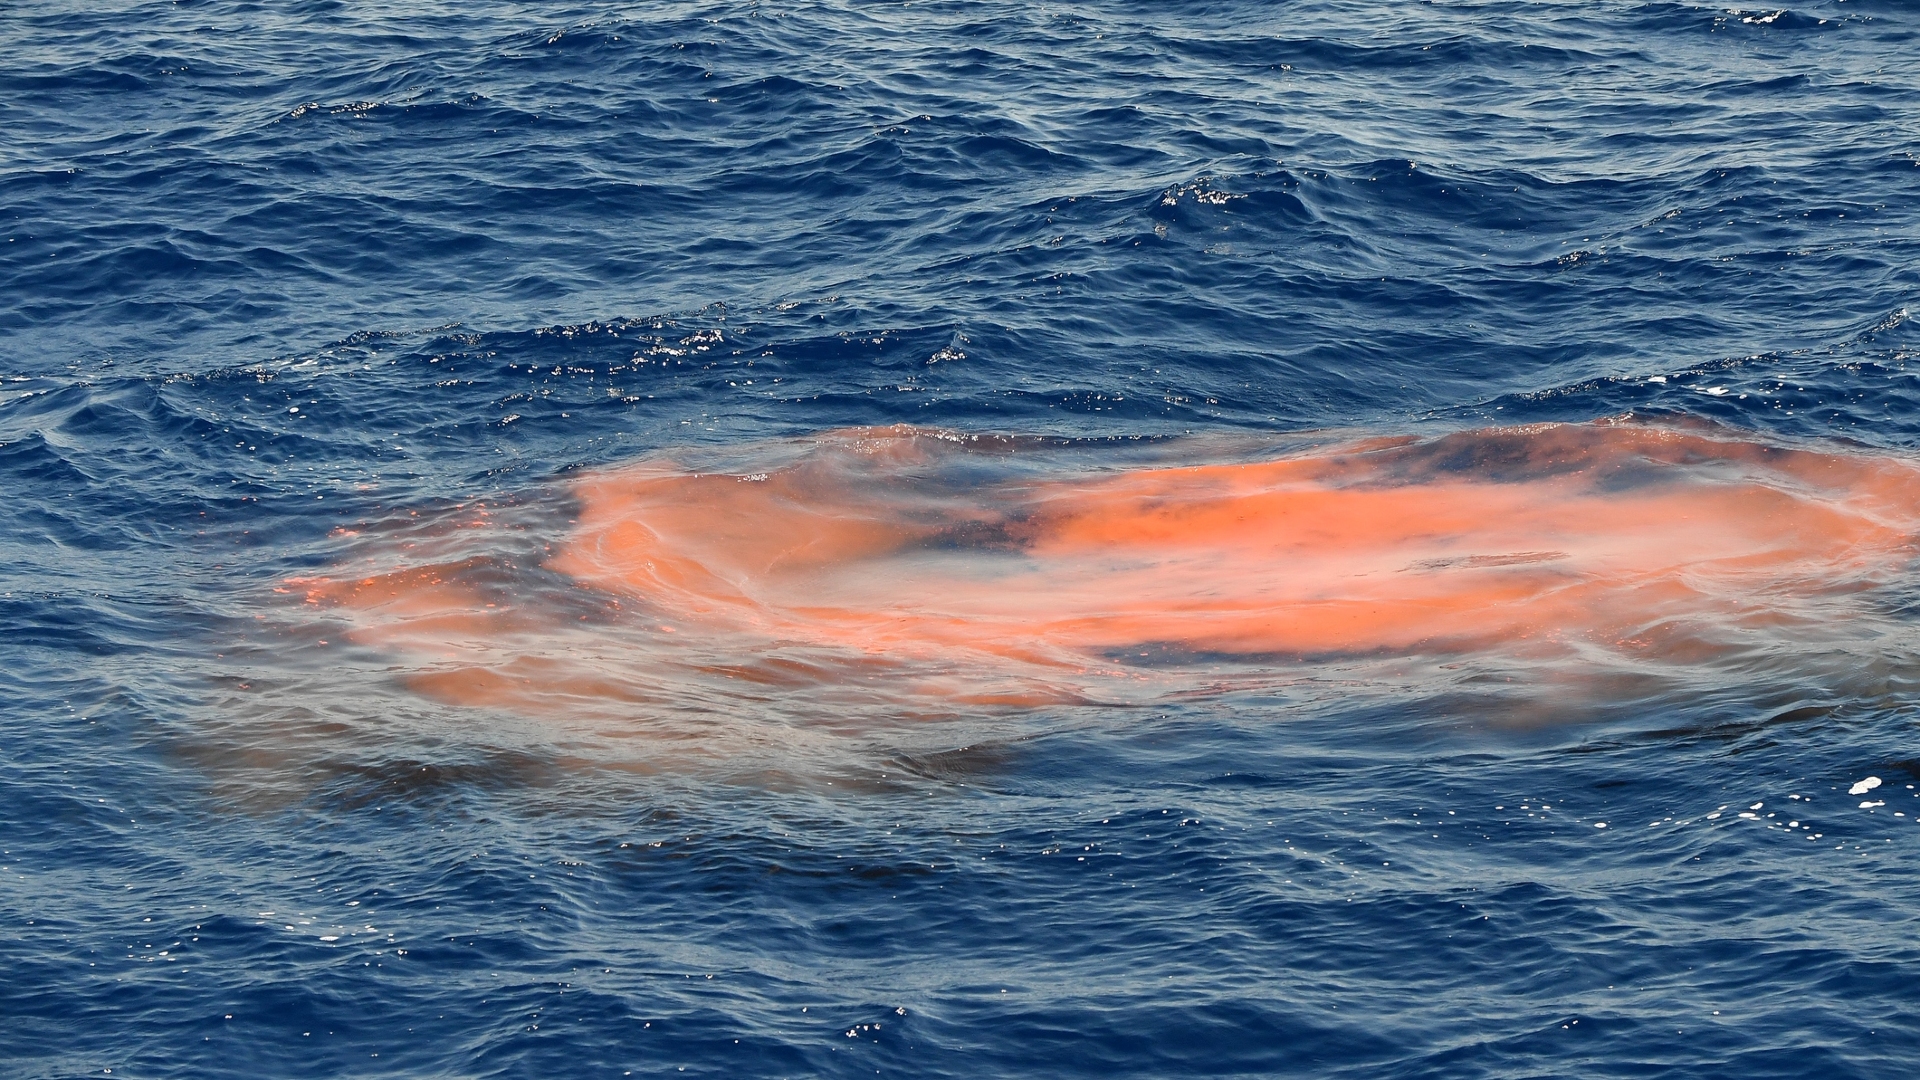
x: 295, y: 295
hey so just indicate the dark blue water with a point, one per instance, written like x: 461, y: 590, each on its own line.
x: 269, y: 273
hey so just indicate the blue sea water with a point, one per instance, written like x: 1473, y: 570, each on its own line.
x: 269, y: 273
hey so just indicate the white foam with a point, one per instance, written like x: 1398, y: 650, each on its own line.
x: 1864, y: 786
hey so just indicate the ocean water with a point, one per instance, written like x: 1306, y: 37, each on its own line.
x: 1312, y: 539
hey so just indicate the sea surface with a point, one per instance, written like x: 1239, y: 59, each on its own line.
x: 418, y: 295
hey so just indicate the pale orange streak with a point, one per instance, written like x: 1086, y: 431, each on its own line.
x: 1536, y: 538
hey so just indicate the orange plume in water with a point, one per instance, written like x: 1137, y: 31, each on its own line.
x: 1004, y: 571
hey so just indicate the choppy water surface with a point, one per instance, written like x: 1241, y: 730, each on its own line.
x: 958, y: 540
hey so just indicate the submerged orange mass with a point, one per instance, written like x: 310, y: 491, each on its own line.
x: 980, y: 567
